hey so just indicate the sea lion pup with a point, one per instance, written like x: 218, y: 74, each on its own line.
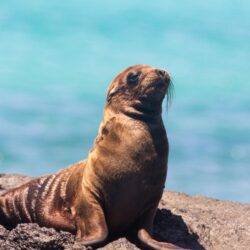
x: 118, y: 187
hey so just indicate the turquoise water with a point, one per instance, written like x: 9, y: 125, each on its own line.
x: 58, y: 57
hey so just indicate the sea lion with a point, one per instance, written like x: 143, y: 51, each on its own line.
x: 118, y: 187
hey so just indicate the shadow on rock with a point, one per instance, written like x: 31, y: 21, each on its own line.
x: 171, y: 228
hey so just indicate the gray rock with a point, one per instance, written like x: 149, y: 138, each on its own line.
x: 191, y: 222
x: 217, y: 224
x: 33, y: 237
x: 8, y: 181
x: 3, y: 235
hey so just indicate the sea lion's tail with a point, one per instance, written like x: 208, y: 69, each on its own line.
x: 13, y: 206
x: 23, y: 204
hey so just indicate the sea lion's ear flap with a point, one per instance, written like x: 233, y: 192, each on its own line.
x: 111, y: 93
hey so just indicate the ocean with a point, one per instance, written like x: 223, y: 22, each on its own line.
x: 57, y: 59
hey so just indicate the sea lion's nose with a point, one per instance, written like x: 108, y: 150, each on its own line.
x: 161, y: 72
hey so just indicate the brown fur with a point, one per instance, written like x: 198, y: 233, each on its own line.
x: 119, y: 186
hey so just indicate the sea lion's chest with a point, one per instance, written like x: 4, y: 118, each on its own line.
x: 131, y: 152
x: 127, y: 197
x: 134, y: 174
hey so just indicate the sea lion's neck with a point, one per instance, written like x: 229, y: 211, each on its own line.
x: 133, y: 115
x: 145, y: 112
x: 122, y: 136
x: 140, y: 115
x: 141, y: 110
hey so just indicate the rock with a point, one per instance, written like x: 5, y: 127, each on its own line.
x: 191, y: 222
x: 8, y: 181
x: 215, y: 224
x: 33, y: 237
x: 3, y: 235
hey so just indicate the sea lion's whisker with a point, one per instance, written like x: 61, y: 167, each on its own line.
x: 170, y: 93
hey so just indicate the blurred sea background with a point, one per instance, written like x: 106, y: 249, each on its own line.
x: 57, y: 59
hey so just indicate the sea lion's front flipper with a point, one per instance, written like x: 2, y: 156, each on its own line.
x: 147, y: 240
x: 144, y: 233
x: 91, y: 225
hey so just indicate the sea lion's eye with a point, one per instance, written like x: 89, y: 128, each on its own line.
x: 133, y: 77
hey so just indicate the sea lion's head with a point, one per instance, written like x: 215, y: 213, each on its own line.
x: 139, y: 90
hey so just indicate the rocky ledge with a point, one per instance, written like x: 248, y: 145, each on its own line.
x: 193, y: 222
